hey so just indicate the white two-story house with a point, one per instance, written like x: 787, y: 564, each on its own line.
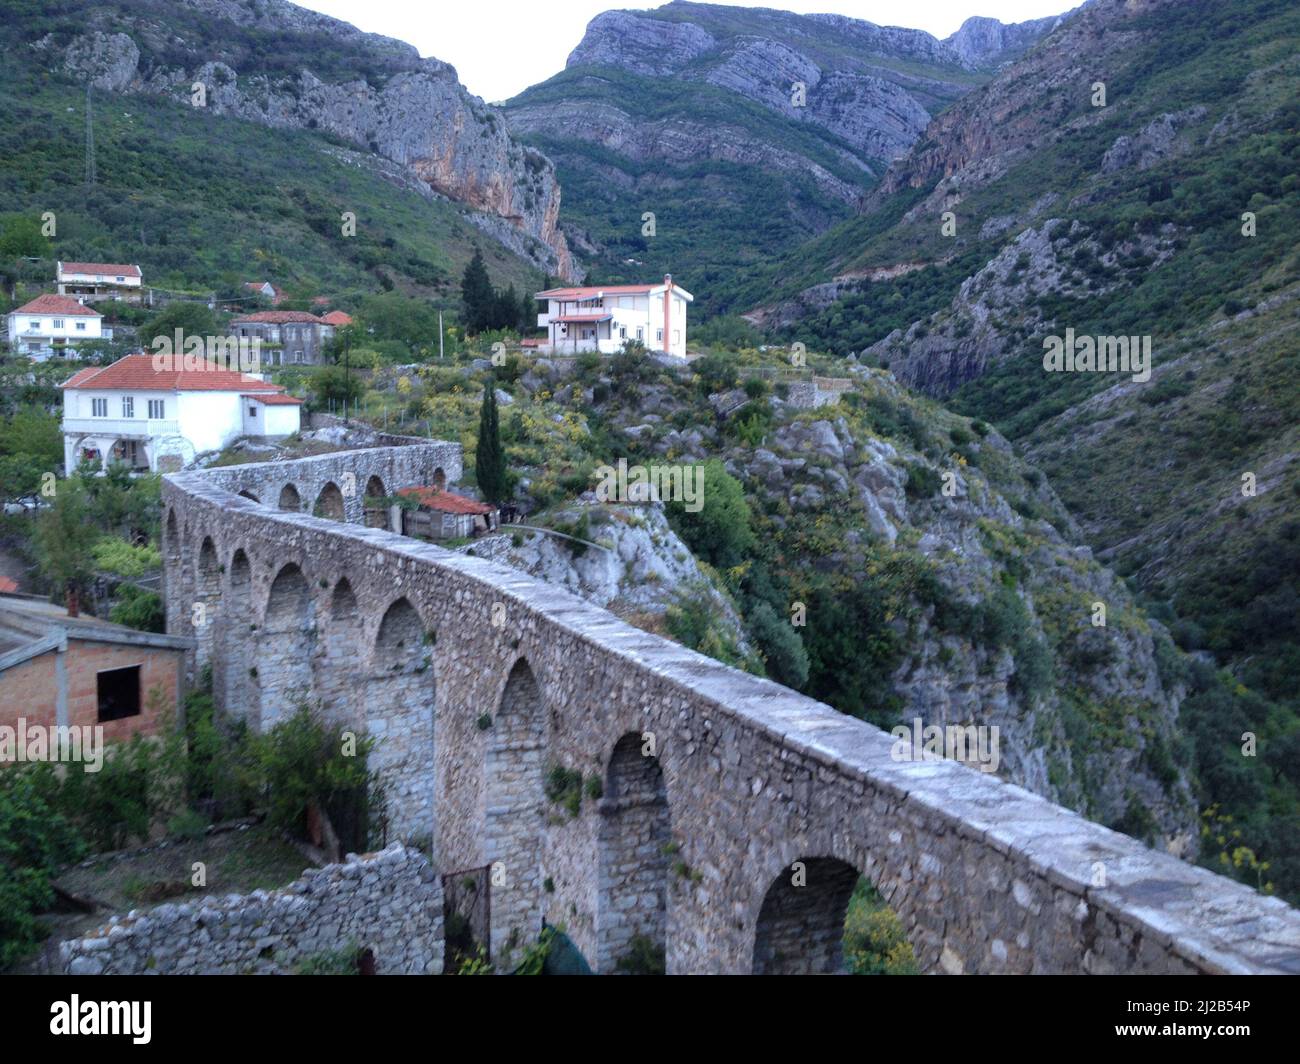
x: 604, y: 318
x: 89, y: 281
x: 156, y: 418
x: 50, y: 323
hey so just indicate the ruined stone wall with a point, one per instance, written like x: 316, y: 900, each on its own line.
x: 758, y: 781
x: 389, y: 903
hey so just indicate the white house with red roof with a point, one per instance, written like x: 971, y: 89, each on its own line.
x: 49, y: 323
x: 144, y: 411
x: 604, y: 318
x: 88, y: 281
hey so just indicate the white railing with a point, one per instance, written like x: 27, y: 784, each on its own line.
x: 120, y: 426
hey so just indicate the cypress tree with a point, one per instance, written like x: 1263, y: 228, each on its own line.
x: 477, y: 296
x: 489, y: 457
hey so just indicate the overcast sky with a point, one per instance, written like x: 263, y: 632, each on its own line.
x: 500, y: 47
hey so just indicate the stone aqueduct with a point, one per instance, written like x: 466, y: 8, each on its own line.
x: 478, y: 680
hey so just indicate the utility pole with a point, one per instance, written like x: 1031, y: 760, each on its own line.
x: 440, y: 334
x: 347, y: 370
x: 90, y: 140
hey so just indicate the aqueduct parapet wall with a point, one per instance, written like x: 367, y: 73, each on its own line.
x: 482, y: 682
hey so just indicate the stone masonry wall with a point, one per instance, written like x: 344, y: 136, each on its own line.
x: 388, y: 902
x: 984, y: 876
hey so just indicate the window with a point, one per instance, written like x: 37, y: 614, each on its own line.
x: 119, y: 693
x: 640, y: 333
x: 58, y: 323
x: 659, y: 335
x: 128, y: 406
x: 99, y: 408
x: 121, y: 280
x: 622, y: 332
x: 81, y: 326
x: 297, y: 356
x: 157, y: 410
x: 34, y: 324
x: 252, y: 411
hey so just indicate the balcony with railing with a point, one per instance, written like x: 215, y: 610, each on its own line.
x: 120, y: 427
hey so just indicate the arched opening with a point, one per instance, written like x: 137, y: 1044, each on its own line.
x: 207, y: 600
x: 178, y: 587
x: 439, y: 480
x: 515, y: 803
x: 246, y: 494
x: 399, y: 714
x: 290, y: 499
x: 634, y: 835
x: 376, y: 510
x: 284, y: 647
x: 339, y: 675
x: 821, y: 917
x: 233, y: 669
x: 329, y: 503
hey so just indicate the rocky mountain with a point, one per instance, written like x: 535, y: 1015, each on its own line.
x: 711, y: 117
x: 1134, y: 177
x: 270, y: 62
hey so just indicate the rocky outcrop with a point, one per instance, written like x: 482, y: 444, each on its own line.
x: 985, y: 42
x: 379, y: 94
x: 1155, y: 142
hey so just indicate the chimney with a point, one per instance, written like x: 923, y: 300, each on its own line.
x: 72, y: 600
x: 668, y: 312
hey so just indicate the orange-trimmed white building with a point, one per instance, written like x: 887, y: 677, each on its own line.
x: 604, y: 318
x: 161, y: 419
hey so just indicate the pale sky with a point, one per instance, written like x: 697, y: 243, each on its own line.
x: 500, y: 47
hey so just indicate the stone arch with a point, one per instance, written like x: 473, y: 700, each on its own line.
x: 172, y: 575
x: 339, y: 676
x: 439, y: 480
x: 400, y: 698
x: 514, y: 802
x: 285, y: 646
x: 235, y: 689
x: 376, y: 515
x: 632, y: 839
x: 290, y: 499
x: 329, y: 503
x: 800, y: 927
x: 246, y: 494
x: 207, y: 596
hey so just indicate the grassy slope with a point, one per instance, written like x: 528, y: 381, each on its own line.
x: 200, y: 200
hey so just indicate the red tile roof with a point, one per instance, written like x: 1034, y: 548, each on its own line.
x: 137, y: 373
x: 272, y: 399
x: 337, y: 317
x: 583, y: 319
x: 279, y: 317
x: 592, y: 293
x: 108, y: 269
x: 56, y: 304
x: 447, y: 502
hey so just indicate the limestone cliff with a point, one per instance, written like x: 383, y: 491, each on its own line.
x: 277, y: 64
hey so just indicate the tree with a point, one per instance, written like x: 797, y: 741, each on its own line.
x: 21, y: 237
x: 719, y: 531
x: 30, y: 446
x: 477, y: 295
x: 193, y: 319
x: 489, y: 457
x: 63, y: 540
